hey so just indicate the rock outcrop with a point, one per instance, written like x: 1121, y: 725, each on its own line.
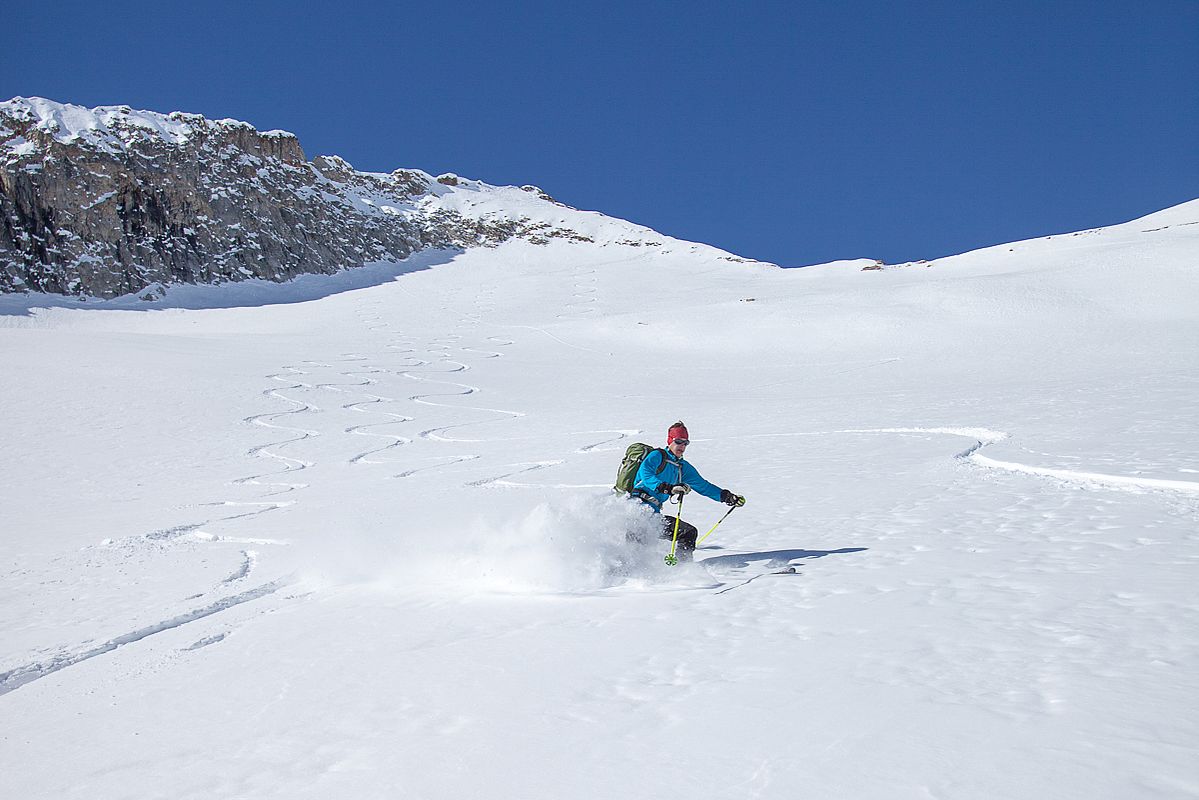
x: 110, y: 201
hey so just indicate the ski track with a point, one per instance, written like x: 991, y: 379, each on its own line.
x: 249, y: 559
x: 1093, y: 479
x: 579, y: 306
x: 621, y: 435
x: 985, y: 437
x: 436, y: 361
x: 439, y: 358
x: 288, y: 463
x: 369, y: 371
x: 162, y: 540
x: 753, y: 578
x: 395, y: 440
x: 466, y: 389
x: 501, y: 480
x: 23, y: 675
x: 434, y: 358
x: 526, y: 468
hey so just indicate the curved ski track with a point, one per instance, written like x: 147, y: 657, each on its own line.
x: 985, y: 437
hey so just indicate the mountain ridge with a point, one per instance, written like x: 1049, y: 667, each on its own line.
x: 109, y: 201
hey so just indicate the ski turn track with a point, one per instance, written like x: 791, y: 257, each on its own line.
x: 985, y: 437
x: 289, y: 463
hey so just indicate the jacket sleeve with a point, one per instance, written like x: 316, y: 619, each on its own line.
x: 692, y: 478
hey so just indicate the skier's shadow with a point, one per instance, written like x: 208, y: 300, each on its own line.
x: 777, y: 558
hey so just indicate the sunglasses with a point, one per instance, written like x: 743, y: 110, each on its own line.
x: 683, y: 442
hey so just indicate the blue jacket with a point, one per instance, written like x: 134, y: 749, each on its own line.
x: 677, y: 470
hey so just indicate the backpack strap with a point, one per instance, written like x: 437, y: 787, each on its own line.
x: 662, y: 466
x: 647, y: 498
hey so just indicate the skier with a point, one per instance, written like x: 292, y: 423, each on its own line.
x: 657, y: 482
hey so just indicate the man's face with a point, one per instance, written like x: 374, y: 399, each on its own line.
x: 678, y: 447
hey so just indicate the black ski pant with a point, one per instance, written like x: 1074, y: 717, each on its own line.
x: 687, y: 536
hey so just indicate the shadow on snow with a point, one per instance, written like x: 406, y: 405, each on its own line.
x: 777, y: 558
x: 238, y: 294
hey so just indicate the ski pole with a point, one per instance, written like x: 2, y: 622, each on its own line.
x: 717, y: 525
x: 671, y: 559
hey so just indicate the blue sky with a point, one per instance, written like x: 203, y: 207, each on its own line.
x: 791, y: 132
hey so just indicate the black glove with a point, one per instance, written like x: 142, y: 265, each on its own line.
x: 731, y: 499
x: 678, y: 488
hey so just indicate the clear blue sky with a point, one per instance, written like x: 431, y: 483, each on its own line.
x: 794, y: 132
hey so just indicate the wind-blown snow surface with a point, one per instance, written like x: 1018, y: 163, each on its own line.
x: 360, y: 546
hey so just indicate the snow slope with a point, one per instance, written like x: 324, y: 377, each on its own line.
x: 357, y: 543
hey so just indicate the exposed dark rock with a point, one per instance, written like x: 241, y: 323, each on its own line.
x: 111, y: 201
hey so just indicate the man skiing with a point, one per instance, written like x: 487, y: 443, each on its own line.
x: 656, y: 482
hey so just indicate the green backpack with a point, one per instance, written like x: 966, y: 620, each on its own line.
x: 633, y: 456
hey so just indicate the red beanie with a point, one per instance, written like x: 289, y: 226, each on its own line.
x: 677, y: 431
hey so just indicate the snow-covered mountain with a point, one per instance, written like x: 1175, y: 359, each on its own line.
x: 351, y: 535
x: 110, y: 201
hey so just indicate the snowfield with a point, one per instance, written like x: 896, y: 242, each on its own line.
x: 351, y: 537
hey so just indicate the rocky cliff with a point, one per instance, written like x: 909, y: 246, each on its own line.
x: 110, y: 201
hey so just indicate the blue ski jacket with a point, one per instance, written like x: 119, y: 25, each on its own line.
x: 677, y: 470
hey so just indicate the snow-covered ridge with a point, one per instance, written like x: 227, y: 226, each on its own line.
x: 1027, y: 253
x: 111, y: 128
x: 111, y: 201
